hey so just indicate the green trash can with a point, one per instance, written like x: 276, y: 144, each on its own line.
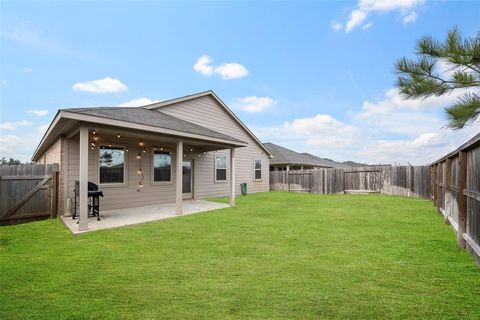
x: 243, y: 186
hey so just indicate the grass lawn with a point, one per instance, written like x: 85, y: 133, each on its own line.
x: 276, y: 255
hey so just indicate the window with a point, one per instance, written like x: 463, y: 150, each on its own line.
x: 258, y: 169
x: 112, y: 164
x: 162, y: 166
x: 220, y: 168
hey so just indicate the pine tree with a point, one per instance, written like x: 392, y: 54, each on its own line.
x: 421, y: 78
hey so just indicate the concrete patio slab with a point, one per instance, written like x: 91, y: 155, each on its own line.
x: 130, y: 216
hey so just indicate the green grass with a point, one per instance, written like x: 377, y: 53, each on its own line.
x: 276, y: 255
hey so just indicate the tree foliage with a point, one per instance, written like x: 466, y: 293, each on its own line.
x: 9, y: 162
x: 439, y: 69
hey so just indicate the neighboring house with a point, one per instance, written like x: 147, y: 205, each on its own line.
x: 328, y: 162
x: 160, y: 153
x: 286, y: 159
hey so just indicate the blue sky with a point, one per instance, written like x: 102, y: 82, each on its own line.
x: 312, y: 76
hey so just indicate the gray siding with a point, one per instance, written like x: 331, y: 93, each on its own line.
x: 206, y: 111
x: 123, y: 196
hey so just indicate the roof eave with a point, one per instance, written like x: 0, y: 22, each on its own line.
x: 62, y: 114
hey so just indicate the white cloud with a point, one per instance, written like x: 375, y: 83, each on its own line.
x: 43, y: 128
x: 335, y: 25
x: 320, y: 132
x: 357, y: 17
x: 412, y: 17
x: 227, y: 71
x: 203, y: 65
x: 4, y: 82
x: 389, y: 130
x: 364, y: 8
x: 18, y: 147
x: 7, y: 142
x: 28, y: 70
x: 105, y: 85
x: 13, y: 125
x: 138, y: 102
x: 40, y: 113
x: 255, y: 104
x: 231, y: 70
x: 394, y: 101
x: 367, y: 26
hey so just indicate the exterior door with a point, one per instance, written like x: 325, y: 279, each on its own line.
x: 187, y: 184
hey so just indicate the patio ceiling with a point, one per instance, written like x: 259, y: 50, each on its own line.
x: 168, y: 128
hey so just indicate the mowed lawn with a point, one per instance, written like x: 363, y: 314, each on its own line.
x: 276, y: 255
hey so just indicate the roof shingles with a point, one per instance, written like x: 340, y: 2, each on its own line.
x: 283, y: 155
x: 151, y: 118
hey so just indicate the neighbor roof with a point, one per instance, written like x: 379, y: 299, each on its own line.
x: 283, y: 155
x: 151, y: 118
x: 326, y: 162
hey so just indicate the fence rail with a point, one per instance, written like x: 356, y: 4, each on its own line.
x: 28, y: 192
x: 411, y: 181
x: 456, y: 193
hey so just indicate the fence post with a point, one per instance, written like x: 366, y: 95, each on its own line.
x: 462, y: 199
x: 446, y: 188
x: 54, y: 208
x: 439, y: 189
x: 433, y: 181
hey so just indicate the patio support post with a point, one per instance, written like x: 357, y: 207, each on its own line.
x: 83, y: 179
x: 179, y: 178
x: 232, y: 177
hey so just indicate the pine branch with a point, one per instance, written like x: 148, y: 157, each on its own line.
x: 464, y: 111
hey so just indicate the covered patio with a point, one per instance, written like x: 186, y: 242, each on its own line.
x: 135, y: 188
x: 130, y: 216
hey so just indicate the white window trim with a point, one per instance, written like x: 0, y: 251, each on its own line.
x: 152, y: 175
x: 215, y: 169
x: 261, y: 169
x: 125, y: 166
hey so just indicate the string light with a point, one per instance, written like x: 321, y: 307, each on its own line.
x: 144, y: 151
x: 94, y: 132
x: 191, y: 149
x: 126, y: 149
x: 118, y: 135
x: 140, y: 143
x: 140, y: 173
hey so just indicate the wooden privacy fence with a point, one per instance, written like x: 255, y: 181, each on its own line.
x: 28, y: 192
x: 456, y: 193
x: 411, y: 181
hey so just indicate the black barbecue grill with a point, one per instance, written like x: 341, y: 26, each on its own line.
x: 93, y: 200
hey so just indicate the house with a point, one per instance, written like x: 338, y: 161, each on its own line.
x: 286, y: 159
x: 192, y: 147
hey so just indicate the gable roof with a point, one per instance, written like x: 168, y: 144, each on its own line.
x: 282, y: 155
x: 165, y: 103
x: 134, y: 118
x: 151, y: 118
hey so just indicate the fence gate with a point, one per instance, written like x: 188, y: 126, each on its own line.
x: 362, y: 181
x: 28, y: 192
